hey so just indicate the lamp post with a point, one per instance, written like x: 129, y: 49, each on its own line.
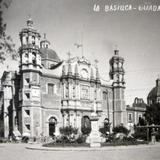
x: 108, y: 110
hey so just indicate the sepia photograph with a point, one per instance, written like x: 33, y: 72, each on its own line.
x: 80, y: 79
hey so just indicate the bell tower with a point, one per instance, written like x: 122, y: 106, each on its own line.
x: 117, y: 75
x: 44, y: 42
x: 30, y: 71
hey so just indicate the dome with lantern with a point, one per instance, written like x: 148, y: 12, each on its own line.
x: 49, y: 56
x: 154, y: 94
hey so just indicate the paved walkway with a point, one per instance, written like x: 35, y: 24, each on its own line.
x: 36, y: 152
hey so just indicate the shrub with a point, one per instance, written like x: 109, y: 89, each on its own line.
x: 25, y: 139
x: 158, y: 136
x: 105, y: 129
x: 140, y: 133
x: 65, y: 140
x: 86, y: 130
x: 126, y: 141
x: 120, y: 129
x: 68, y: 130
x: 81, y: 139
x: 110, y: 138
x: 1, y: 129
x: 62, y: 139
x: 67, y: 135
x: 3, y: 140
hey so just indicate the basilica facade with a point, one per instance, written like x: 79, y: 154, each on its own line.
x: 48, y: 93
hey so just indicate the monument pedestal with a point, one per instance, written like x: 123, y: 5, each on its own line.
x: 94, y: 137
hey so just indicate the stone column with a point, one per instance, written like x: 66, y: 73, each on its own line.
x: 94, y: 137
x: 7, y: 100
x: 24, y: 42
x: 79, y: 92
x: 71, y: 118
x: 76, y: 91
x: 30, y: 56
x: 92, y: 96
x: 70, y: 90
x: 65, y: 119
x: 38, y: 59
x: 36, y: 41
x: 78, y: 120
x: 6, y: 118
x: 56, y: 129
x: 64, y: 92
x: 29, y: 39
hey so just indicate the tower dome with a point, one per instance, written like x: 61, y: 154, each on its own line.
x: 116, y: 69
x: 49, y: 56
x: 154, y: 94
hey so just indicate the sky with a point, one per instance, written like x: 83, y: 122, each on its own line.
x: 66, y: 22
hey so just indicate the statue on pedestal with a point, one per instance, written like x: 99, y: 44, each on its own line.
x: 94, y: 137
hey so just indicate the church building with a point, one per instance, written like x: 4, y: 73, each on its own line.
x: 48, y: 93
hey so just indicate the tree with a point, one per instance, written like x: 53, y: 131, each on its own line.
x: 120, y: 129
x: 7, y: 47
x: 152, y: 114
x: 141, y: 122
x: 140, y: 132
x: 105, y: 129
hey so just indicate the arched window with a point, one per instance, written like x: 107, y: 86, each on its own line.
x: 34, y: 58
x: 104, y: 96
x: 33, y: 40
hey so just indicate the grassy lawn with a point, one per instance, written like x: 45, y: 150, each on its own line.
x: 114, y: 143
x: 66, y: 145
x: 123, y: 143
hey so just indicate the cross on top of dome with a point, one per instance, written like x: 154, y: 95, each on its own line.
x: 116, y: 51
x: 29, y: 22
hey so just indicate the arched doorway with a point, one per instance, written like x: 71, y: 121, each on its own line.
x: 52, y: 125
x: 85, y: 125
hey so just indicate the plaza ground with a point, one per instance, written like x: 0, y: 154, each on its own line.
x: 19, y: 152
